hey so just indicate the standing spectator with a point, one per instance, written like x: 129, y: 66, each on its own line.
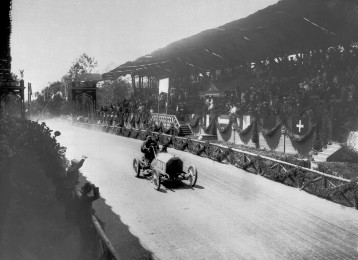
x: 84, y: 219
x: 69, y: 185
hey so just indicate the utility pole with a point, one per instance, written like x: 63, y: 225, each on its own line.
x: 29, y: 94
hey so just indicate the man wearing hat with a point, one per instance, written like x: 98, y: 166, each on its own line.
x: 69, y: 185
x: 73, y: 174
x: 147, y: 148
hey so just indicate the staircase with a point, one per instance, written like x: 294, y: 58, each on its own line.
x: 331, y: 149
x: 184, y: 130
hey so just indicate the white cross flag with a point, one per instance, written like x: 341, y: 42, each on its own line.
x: 163, y: 85
x: 300, y: 125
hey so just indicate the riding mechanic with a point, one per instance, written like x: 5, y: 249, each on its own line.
x: 146, y: 148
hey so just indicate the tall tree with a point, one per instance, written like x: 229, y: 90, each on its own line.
x: 83, y: 64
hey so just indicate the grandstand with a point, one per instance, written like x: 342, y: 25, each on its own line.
x: 291, y: 68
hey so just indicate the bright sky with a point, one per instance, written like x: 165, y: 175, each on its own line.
x: 48, y: 35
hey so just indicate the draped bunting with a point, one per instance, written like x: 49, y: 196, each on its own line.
x: 271, y: 132
x: 226, y: 128
x: 212, y: 129
x: 255, y: 134
x: 195, y: 121
x: 303, y: 138
x: 246, y: 130
x: 295, y: 176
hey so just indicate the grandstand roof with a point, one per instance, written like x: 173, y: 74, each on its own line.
x: 283, y: 28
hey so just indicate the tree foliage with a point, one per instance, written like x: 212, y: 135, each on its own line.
x: 83, y: 64
x: 15, y: 78
x: 112, y: 92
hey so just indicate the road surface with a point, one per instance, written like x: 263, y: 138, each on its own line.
x: 230, y: 214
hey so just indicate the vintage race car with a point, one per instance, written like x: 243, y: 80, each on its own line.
x: 165, y: 167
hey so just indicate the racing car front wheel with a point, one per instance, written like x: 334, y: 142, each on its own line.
x: 136, y: 167
x: 156, y: 179
x: 192, y: 175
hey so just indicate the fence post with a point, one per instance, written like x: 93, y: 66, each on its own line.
x: 355, y: 202
x: 299, y: 181
x: 324, y: 182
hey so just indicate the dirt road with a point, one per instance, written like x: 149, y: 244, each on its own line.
x: 230, y: 214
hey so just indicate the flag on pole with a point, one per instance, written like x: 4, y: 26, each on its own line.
x: 163, y: 85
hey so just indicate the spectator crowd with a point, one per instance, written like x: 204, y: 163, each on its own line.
x: 291, y: 85
x: 18, y: 135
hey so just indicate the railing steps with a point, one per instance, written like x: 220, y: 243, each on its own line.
x: 184, y: 130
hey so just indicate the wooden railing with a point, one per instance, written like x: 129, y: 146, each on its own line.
x: 167, y: 120
x: 334, y: 188
x: 107, y: 251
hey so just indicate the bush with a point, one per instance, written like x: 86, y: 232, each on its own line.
x: 340, y: 169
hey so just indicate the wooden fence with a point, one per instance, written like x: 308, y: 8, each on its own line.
x: 334, y: 188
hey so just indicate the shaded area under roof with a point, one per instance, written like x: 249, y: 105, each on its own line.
x: 283, y: 28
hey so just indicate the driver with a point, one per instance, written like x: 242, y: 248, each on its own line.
x: 146, y: 148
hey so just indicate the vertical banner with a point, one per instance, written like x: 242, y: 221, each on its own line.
x: 246, y: 121
x: 164, y: 85
x: 164, y: 88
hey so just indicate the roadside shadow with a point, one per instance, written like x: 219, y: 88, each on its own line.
x: 180, y: 185
x: 127, y: 245
x: 149, y: 180
x: 172, y: 185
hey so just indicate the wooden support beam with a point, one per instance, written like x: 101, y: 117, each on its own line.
x: 332, y: 184
x: 347, y: 200
x: 312, y: 181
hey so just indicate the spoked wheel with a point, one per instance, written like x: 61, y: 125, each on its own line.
x: 192, y: 176
x: 156, y: 180
x: 136, y: 167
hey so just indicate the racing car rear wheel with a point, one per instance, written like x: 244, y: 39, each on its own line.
x: 192, y: 175
x: 156, y: 179
x: 136, y: 167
